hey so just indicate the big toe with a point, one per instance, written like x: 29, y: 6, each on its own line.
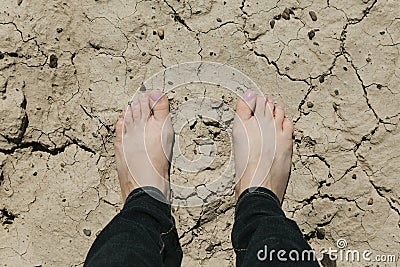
x: 245, y: 106
x: 159, y: 104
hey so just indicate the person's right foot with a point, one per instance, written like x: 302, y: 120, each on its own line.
x: 262, y: 141
x: 143, y: 144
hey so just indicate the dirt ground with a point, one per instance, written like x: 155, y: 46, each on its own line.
x: 68, y: 67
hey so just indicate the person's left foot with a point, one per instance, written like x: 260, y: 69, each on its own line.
x: 143, y: 144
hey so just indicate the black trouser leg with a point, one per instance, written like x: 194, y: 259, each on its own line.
x: 263, y: 236
x: 142, y: 234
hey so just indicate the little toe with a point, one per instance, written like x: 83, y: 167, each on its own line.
x: 279, y: 116
x: 260, y: 106
x: 159, y: 104
x: 288, y: 128
x: 119, y: 128
x: 144, y: 106
x: 245, y: 106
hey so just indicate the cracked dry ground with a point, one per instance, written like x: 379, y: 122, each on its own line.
x: 66, y: 69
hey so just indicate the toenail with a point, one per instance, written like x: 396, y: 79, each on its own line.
x: 249, y: 95
x: 135, y: 103
x: 280, y: 107
x: 143, y: 95
x: 270, y: 100
x: 156, y: 95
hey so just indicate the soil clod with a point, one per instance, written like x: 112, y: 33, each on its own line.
x: 313, y: 15
x: 53, y: 61
x: 286, y: 14
x: 160, y: 33
x: 87, y: 232
x: 272, y: 23
x: 311, y: 34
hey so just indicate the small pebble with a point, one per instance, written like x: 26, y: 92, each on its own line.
x: 286, y: 14
x: 160, y: 33
x: 53, y: 61
x: 1, y: 55
x: 219, y: 19
x: 321, y: 78
x: 272, y: 23
x: 210, y: 248
x: 311, y: 34
x: 320, y: 233
x: 87, y: 232
x: 354, y: 176
x: 310, y: 104
x: 313, y: 15
x: 371, y: 201
x: 59, y: 30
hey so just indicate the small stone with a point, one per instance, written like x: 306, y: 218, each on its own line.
x: 313, y: 15
x: 311, y: 34
x: 59, y: 30
x: 219, y: 19
x: 310, y: 104
x: 379, y: 86
x: 53, y: 61
x: 382, y: 32
x: 370, y: 201
x: 322, y: 79
x: 210, y: 248
x: 278, y: 17
x: 272, y: 23
x: 160, y: 33
x: 368, y: 59
x: 286, y: 14
x: 354, y: 176
x: 336, y: 92
x: 320, y: 233
x: 1, y: 55
x: 87, y: 232
x: 19, y: 2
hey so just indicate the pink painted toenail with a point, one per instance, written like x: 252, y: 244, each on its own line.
x: 135, y: 103
x: 249, y: 95
x: 270, y: 100
x: 280, y: 107
x: 143, y: 95
x: 156, y: 95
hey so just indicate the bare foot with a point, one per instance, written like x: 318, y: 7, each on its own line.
x: 143, y: 144
x: 262, y: 141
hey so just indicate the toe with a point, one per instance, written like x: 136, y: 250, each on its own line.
x: 136, y: 113
x: 260, y: 106
x: 127, y: 116
x: 279, y: 116
x: 245, y: 106
x: 288, y: 128
x: 159, y: 104
x: 144, y: 106
x: 119, y: 128
x: 269, y: 108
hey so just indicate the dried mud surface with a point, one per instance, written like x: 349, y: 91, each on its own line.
x: 67, y: 68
